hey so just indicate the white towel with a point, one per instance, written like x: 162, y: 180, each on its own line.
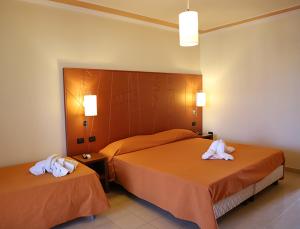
x: 54, y: 164
x: 49, y: 162
x: 218, y: 150
x: 58, y: 170
x: 70, y: 165
x: 38, y: 168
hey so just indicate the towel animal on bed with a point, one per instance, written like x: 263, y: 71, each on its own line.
x: 54, y: 164
x: 219, y: 150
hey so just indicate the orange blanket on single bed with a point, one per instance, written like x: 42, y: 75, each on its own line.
x: 28, y: 201
x: 174, y: 177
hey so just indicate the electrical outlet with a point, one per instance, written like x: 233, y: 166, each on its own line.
x: 85, y: 123
x: 80, y: 140
x: 92, y: 138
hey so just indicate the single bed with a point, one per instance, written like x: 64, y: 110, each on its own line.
x: 166, y: 169
x: 29, y: 201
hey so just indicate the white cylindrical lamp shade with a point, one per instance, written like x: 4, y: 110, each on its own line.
x: 188, y: 28
x: 90, y: 105
x: 200, y: 99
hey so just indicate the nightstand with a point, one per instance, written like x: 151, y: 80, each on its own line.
x: 209, y: 135
x: 97, y: 162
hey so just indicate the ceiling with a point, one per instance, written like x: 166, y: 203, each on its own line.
x: 212, y: 13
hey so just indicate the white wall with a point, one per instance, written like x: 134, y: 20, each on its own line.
x: 251, y: 73
x: 37, y: 41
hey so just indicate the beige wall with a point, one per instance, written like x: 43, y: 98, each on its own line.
x: 252, y: 76
x: 37, y: 41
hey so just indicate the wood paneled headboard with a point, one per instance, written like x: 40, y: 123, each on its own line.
x: 129, y: 103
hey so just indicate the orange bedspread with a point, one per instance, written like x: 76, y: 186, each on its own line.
x: 174, y: 177
x: 29, y: 201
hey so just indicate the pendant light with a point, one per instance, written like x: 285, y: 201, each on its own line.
x: 188, y: 27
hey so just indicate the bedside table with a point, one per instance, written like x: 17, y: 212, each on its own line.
x: 97, y: 162
x: 209, y: 135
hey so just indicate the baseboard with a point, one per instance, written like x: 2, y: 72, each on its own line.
x: 293, y: 170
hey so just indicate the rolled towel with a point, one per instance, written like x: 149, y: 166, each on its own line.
x: 54, y: 164
x: 38, y: 168
x: 70, y: 165
x: 221, y: 151
x: 226, y: 156
x: 211, y: 150
x: 58, y: 170
x: 208, y: 154
x: 218, y: 150
x: 49, y: 165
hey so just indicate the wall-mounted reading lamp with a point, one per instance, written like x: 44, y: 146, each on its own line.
x: 200, y: 102
x: 200, y: 99
x: 90, y: 106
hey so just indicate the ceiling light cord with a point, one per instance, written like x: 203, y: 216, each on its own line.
x: 188, y: 5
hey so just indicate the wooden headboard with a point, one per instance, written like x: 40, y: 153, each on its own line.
x: 129, y: 103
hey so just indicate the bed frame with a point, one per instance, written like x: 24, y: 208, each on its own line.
x: 227, y: 204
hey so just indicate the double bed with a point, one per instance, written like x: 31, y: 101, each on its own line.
x: 166, y: 169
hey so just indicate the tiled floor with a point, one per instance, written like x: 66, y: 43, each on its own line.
x: 277, y: 207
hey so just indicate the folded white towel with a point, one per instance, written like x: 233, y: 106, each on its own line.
x: 54, y: 164
x: 38, y: 168
x: 218, y: 150
x: 58, y: 170
x: 70, y: 165
x: 49, y: 163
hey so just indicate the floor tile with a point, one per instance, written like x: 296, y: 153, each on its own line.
x: 147, y: 226
x: 109, y: 225
x: 147, y: 213
x: 129, y: 221
x: 290, y: 218
x: 165, y: 223
x: 268, y: 205
x: 101, y: 220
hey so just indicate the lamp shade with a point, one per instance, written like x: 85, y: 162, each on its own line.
x: 188, y: 28
x: 200, y: 99
x: 90, y: 105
